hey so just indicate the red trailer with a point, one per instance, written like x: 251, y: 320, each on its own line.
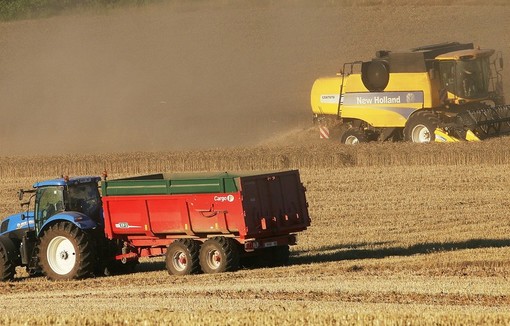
x: 206, y: 222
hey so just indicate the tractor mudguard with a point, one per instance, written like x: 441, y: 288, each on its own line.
x: 10, y: 248
x: 81, y: 220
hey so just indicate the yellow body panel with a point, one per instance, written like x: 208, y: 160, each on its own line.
x: 405, y: 93
x: 443, y: 137
x: 325, y: 95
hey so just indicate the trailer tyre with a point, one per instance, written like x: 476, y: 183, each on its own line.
x: 66, y: 252
x: 218, y: 255
x: 182, y: 257
x: 7, y: 268
x: 420, y: 127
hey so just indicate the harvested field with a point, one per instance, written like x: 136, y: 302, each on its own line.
x: 389, y: 244
x: 400, y: 234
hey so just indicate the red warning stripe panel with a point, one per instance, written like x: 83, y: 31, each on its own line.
x: 324, y: 132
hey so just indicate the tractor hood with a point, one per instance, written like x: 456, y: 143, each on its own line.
x: 15, y: 222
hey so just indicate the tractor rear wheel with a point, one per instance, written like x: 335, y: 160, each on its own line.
x: 7, y: 268
x: 66, y: 252
x: 353, y: 137
x: 420, y: 127
x: 218, y: 255
x: 182, y: 257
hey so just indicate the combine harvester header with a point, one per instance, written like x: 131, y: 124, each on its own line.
x: 443, y: 92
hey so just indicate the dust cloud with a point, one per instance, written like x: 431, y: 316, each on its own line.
x: 202, y: 75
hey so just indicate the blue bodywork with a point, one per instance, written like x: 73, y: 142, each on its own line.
x: 81, y: 220
x: 20, y: 222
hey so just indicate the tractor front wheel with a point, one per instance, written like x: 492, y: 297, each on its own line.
x: 66, y: 252
x: 7, y: 268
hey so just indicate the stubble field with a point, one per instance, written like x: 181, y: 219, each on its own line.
x: 408, y: 240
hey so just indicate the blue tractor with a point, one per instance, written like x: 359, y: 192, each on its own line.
x: 61, y: 233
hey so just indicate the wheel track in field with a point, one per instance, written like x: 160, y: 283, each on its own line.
x: 384, y: 297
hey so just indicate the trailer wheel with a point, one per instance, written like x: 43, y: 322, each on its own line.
x: 420, y: 127
x: 353, y: 137
x: 218, y: 255
x: 7, y: 268
x: 182, y: 257
x: 66, y: 252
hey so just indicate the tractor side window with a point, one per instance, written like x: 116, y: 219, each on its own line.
x: 84, y: 198
x: 49, y: 201
x: 447, y: 69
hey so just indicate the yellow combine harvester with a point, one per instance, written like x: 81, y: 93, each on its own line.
x: 442, y: 92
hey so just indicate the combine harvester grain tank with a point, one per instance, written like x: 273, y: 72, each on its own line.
x: 443, y: 92
x: 207, y: 223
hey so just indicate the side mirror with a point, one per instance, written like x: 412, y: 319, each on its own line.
x: 20, y: 194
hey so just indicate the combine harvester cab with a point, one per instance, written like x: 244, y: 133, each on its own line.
x: 443, y: 92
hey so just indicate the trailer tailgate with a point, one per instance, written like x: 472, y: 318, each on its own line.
x: 274, y: 204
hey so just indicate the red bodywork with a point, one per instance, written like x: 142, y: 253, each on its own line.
x: 266, y: 211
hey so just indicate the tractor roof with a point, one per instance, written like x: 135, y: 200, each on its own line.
x: 65, y: 181
x: 466, y: 54
x: 434, y: 50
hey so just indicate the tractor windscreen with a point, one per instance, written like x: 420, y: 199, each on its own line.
x: 473, y: 78
x: 468, y: 79
x: 49, y: 201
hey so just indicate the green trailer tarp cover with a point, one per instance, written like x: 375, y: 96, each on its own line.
x: 172, y: 183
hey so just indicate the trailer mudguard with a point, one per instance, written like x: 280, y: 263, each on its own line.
x: 10, y: 248
x: 81, y: 220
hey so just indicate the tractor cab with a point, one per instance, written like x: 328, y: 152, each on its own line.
x: 78, y: 198
x: 466, y: 75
